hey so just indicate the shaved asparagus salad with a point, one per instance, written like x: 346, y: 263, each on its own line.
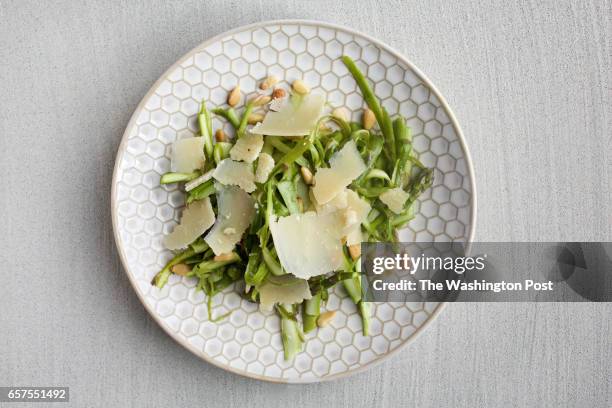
x: 285, y: 204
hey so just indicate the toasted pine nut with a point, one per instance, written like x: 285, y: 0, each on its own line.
x: 268, y: 82
x: 234, y: 96
x: 181, y: 269
x: 341, y: 113
x: 307, y: 175
x: 355, y: 251
x: 278, y: 93
x: 368, y: 120
x: 255, y: 118
x: 261, y: 100
x: 220, y: 135
x: 325, y: 318
x: 300, y: 87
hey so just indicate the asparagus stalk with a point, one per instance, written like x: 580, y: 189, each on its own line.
x: 403, y: 140
x: 375, y: 147
x: 171, y: 177
x: 421, y: 183
x: 278, y: 144
x: 205, y: 122
x: 211, y: 288
x: 221, y: 151
x: 288, y: 191
x: 355, y: 126
x: 264, y: 232
x: 230, y: 115
x: 253, y: 273
x: 199, y: 246
x: 202, y: 191
x: 377, y: 174
x: 364, y: 307
x: 382, y: 117
x: 268, y: 148
x: 321, y: 285
x: 365, y: 312
x: 312, y: 310
x: 402, y: 219
x: 162, y: 276
x: 293, y: 155
x: 273, y: 265
x: 354, y: 289
x: 244, y: 120
x: 208, y: 266
x: 261, y: 274
x: 387, y: 129
x: 291, y: 335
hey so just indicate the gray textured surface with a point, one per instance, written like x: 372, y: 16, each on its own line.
x: 530, y: 84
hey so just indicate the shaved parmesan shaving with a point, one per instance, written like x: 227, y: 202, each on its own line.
x: 351, y: 211
x: 200, y: 180
x: 394, y: 199
x: 345, y: 166
x: 293, y: 117
x: 230, y: 172
x: 358, y: 205
x: 196, y: 219
x: 284, y: 289
x: 349, y: 218
x: 359, y: 210
x: 236, y: 211
x: 339, y: 202
x: 265, y: 164
x: 354, y: 236
x: 187, y: 155
x: 247, y: 148
x: 308, y: 244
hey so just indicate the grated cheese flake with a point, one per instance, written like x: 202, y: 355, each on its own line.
x: 394, y: 199
x: 308, y: 244
x: 284, y: 289
x: 187, y: 155
x: 339, y: 202
x: 359, y: 210
x: 247, y: 148
x: 196, y: 219
x: 230, y: 172
x: 236, y: 211
x: 358, y: 205
x: 294, y: 116
x: 354, y: 235
x: 265, y: 165
x: 345, y: 166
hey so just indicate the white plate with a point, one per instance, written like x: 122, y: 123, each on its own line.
x: 248, y: 342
